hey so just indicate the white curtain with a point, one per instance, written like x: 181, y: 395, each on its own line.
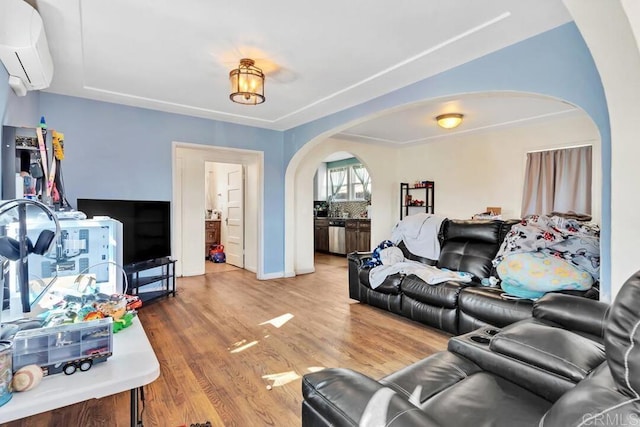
x: 362, y: 174
x: 558, y: 181
x: 337, y: 178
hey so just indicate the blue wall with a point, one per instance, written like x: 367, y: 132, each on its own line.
x: 14, y: 110
x: 23, y: 111
x: 120, y: 152
x: 19, y: 111
x: 556, y: 63
x: 4, y: 95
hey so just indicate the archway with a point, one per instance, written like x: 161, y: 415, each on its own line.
x: 387, y: 168
x: 301, y: 182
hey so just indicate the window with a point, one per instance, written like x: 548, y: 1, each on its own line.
x: 338, y: 186
x: 360, y: 183
x: 558, y: 181
x: 351, y: 182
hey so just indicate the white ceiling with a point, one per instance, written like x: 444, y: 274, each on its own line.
x: 417, y: 124
x: 318, y: 57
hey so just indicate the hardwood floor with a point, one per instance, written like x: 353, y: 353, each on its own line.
x: 213, y: 267
x: 218, y: 354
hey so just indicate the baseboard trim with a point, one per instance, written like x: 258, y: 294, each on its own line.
x: 269, y: 276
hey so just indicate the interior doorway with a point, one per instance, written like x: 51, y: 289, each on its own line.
x: 299, y: 202
x: 224, y: 204
x: 189, y: 205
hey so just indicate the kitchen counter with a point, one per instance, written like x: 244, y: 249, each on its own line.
x: 331, y: 218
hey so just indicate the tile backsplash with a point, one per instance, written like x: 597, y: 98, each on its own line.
x: 354, y: 209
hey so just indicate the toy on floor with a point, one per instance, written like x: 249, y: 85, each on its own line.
x: 216, y: 254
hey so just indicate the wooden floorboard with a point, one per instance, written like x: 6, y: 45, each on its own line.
x: 217, y: 356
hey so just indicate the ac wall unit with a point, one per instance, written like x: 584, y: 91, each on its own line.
x: 23, y: 47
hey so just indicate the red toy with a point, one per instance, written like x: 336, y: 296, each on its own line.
x: 216, y: 253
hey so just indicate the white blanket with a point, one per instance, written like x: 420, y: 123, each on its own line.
x: 430, y: 274
x: 419, y: 233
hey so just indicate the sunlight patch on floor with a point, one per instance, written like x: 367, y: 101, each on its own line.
x: 315, y: 368
x: 241, y: 346
x: 279, y: 321
x: 282, y: 378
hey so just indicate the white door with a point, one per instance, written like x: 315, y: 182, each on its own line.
x: 177, y: 214
x: 235, y: 217
x: 189, y: 214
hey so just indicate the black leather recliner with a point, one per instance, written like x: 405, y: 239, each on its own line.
x: 566, y: 366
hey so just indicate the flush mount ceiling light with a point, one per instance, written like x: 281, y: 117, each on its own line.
x: 449, y: 121
x: 247, y: 83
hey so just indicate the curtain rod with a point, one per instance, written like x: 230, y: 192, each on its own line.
x: 561, y: 148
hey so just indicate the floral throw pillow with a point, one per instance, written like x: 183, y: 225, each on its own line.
x: 532, y: 274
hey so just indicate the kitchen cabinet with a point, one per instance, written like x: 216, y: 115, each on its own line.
x: 321, y: 235
x: 211, y: 234
x: 358, y: 235
x: 417, y: 198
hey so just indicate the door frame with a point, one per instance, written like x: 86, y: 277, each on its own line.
x: 253, y: 163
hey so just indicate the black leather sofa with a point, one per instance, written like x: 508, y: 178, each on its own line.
x: 454, y: 307
x: 576, y: 362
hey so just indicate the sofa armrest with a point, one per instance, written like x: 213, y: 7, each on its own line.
x: 573, y: 312
x: 342, y: 397
x: 356, y: 261
x: 359, y: 258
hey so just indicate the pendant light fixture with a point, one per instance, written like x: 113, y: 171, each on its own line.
x: 449, y: 121
x: 247, y: 83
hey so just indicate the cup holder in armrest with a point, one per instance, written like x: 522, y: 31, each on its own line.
x: 480, y: 339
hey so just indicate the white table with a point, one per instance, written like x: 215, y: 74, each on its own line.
x: 133, y: 365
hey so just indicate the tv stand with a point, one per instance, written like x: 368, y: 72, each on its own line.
x: 164, y: 279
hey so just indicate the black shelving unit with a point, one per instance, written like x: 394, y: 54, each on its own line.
x: 409, y: 193
x: 11, y: 153
x: 166, y: 277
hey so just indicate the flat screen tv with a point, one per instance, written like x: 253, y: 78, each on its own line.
x: 146, y: 226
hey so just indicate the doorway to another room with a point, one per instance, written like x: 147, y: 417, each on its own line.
x: 217, y: 189
x: 342, y: 205
x: 224, y: 219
